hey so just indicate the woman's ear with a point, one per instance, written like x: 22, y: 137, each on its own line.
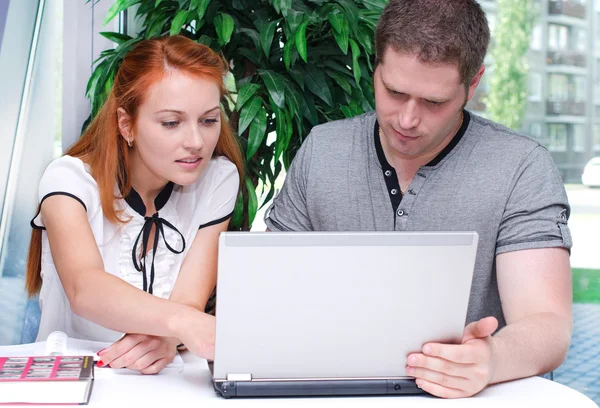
x: 124, y: 123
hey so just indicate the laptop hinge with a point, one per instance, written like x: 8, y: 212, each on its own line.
x: 239, y: 377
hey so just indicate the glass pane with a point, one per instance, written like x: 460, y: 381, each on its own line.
x: 578, y: 138
x: 39, y: 130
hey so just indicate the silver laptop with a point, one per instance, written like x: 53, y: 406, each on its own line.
x: 328, y: 313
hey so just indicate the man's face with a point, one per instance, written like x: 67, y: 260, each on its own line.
x: 418, y: 106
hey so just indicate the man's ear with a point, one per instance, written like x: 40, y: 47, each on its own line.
x: 125, y: 124
x: 475, y: 82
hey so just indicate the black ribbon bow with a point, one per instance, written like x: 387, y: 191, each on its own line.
x: 140, y: 264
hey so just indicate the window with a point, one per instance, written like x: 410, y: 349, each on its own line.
x: 557, y: 137
x: 579, y: 88
x: 579, y: 138
x: 536, y: 38
x: 558, y: 85
x: 596, y: 138
x: 579, y: 39
x: 558, y: 37
x: 535, y: 86
x: 535, y: 130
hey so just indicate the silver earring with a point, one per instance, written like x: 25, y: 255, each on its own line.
x: 129, y: 142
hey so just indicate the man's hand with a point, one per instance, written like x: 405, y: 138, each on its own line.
x: 456, y: 371
x: 140, y: 352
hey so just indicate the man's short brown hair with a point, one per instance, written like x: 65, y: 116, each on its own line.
x: 437, y: 31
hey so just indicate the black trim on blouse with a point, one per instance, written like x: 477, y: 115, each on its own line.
x: 215, y: 222
x: 139, y: 261
x: 38, y: 227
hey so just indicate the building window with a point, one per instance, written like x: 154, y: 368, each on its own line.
x: 558, y: 37
x: 578, y: 138
x: 536, y: 38
x: 579, y: 89
x: 579, y: 39
x: 535, y: 130
x: 558, y: 87
x: 557, y: 137
x: 535, y: 86
x: 596, y: 138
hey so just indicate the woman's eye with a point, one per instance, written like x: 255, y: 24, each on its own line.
x: 210, y: 121
x: 170, y: 124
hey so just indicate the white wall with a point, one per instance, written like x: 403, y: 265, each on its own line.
x: 82, y: 45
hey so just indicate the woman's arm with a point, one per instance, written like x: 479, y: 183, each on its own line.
x: 108, y: 300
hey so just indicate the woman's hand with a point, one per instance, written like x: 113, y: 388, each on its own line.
x: 140, y: 352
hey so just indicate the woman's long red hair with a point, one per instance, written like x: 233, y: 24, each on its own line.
x: 103, y: 148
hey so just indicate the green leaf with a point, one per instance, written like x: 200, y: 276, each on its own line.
x: 115, y: 37
x: 378, y: 5
x: 238, y: 212
x: 284, y: 133
x: 365, y: 38
x: 316, y: 83
x: 275, y: 86
x: 301, y: 40
x: 352, y: 13
x: 287, y: 53
x: 267, y: 33
x: 245, y: 93
x: 224, y: 25
x: 157, y: 3
x: 156, y: 27
x: 116, y: 8
x: 98, y: 71
x: 310, y: 110
x: 258, y: 129
x: 248, y: 113
x: 178, y: 22
x: 341, y: 81
x: 252, y: 201
x: 355, y: 65
x: 202, y: 6
x: 338, y: 67
x: 294, y: 19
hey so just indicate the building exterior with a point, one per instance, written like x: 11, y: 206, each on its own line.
x: 563, y: 108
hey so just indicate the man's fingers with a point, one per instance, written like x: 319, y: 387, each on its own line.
x: 439, y: 390
x: 457, y: 353
x: 440, y: 365
x: 436, y: 377
x: 480, y: 329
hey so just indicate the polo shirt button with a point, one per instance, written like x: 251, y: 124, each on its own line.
x: 388, y: 173
x: 394, y: 191
x: 400, y: 213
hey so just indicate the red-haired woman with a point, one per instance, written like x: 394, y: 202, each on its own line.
x: 126, y: 237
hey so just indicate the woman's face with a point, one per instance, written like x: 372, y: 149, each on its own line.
x: 176, y: 130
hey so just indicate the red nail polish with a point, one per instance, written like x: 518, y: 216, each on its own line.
x: 100, y: 364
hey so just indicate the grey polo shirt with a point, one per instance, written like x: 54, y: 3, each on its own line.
x: 489, y: 179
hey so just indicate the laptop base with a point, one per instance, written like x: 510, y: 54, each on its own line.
x: 307, y: 388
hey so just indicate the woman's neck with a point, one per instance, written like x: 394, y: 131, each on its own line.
x: 147, y: 184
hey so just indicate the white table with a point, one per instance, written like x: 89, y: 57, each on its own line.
x: 193, y: 388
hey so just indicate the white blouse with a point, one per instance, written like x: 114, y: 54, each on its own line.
x: 181, y: 212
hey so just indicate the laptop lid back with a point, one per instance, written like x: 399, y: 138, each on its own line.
x: 323, y: 305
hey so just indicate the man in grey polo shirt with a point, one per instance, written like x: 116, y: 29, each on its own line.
x: 423, y: 163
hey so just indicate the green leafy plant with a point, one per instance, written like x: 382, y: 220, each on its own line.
x: 507, y: 99
x: 295, y: 64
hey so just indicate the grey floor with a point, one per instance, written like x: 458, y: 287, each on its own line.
x: 581, y: 369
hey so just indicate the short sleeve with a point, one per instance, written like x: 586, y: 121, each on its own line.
x: 223, y: 194
x: 289, y: 210
x: 537, y: 210
x: 66, y: 176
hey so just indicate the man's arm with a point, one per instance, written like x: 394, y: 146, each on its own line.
x: 536, y: 295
